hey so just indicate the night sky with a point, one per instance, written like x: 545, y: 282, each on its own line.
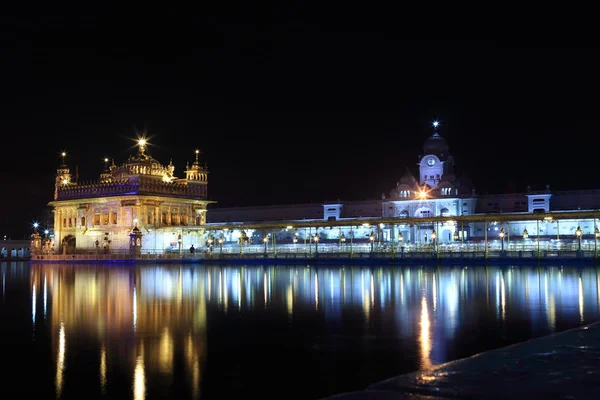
x: 290, y: 105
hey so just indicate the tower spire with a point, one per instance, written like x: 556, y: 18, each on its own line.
x: 197, y: 155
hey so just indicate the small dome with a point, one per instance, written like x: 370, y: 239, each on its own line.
x: 436, y: 145
x: 451, y: 178
x: 408, y: 179
x: 465, y: 184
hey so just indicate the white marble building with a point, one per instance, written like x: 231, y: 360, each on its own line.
x: 436, y: 192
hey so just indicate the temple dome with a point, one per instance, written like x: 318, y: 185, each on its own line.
x: 436, y: 145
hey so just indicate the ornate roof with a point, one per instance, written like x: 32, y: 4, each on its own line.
x: 437, y: 145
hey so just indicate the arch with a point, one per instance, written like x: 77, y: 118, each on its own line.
x: 444, y: 212
x: 69, y: 243
x: 403, y: 214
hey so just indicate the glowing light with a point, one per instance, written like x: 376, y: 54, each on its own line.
x: 435, y: 124
x: 35, y: 225
x: 142, y: 142
x: 197, y: 151
x: 65, y: 181
x: 105, y: 159
x: 46, y: 231
x: 63, y: 154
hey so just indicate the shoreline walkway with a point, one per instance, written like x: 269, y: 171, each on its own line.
x: 564, y: 365
x: 473, y: 258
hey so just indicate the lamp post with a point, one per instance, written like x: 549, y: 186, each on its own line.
x: 578, y: 234
x: 596, y: 234
x: 372, y: 239
x: 525, y: 236
x: 401, y: 242
x: 265, y: 241
x: 501, y: 234
x: 342, y: 240
x: 221, y: 240
x: 434, y: 240
x: 242, y: 241
x: 295, y: 238
x: 210, y: 241
x: 316, y: 239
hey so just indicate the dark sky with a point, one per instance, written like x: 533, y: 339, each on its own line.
x: 294, y: 104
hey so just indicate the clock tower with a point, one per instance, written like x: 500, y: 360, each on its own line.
x: 434, y: 164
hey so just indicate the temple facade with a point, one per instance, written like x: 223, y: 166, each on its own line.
x: 138, y: 204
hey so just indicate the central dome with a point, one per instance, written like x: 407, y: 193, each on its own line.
x: 436, y: 145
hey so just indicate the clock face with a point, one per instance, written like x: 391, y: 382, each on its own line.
x: 431, y: 161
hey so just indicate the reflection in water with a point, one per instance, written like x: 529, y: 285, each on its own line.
x: 33, y: 304
x: 60, y: 360
x: 45, y: 295
x: 139, y: 377
x: 103, y: 369
x: 425, y: 338
x: 151, y: 322
x: 580, y: 298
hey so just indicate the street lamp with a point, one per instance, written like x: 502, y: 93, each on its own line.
x: 455, y: 236
x: 265, y: 241
x: 501, y: 234
x: 295, y: 238
x: 596, y: 234
x: 525, y: 236
x: 221, y: 240
x: 210, y: 241
x: 372, y: 239
x: 242, y: 240
x: 316, y: 239
x: 433, y: 239
x: 579, y: 234
x: 342, y: 239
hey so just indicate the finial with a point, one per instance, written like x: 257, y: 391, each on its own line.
x: 63, y: 155
x: 106, y: 160
x: 142, y: 143
x: 197, y: 154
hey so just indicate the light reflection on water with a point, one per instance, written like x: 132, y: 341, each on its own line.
x: 212, y: 332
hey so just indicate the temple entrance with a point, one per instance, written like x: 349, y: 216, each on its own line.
x: 69, y: 244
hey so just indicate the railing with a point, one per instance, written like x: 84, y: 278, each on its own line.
x: 141, y: 186
x: 332, y: 252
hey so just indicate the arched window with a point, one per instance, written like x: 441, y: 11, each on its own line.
x: 444, y: 212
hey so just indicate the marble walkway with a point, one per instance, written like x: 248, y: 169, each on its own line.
x: 564, y: 365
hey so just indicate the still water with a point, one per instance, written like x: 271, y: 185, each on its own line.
x: 295, y: 332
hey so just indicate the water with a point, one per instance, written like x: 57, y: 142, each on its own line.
x: 183, y: 331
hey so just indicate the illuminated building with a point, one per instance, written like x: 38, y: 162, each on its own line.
x: 140, y: 196
x: 432, y: 208
x: 435, y: 192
